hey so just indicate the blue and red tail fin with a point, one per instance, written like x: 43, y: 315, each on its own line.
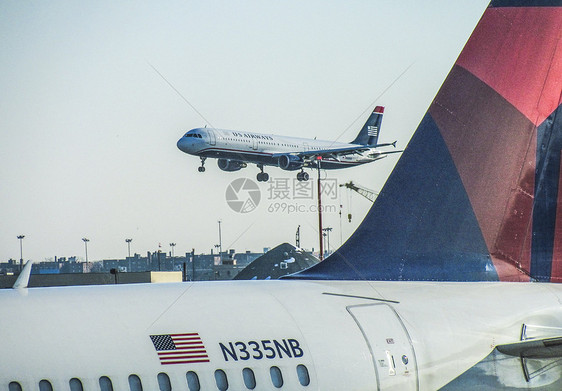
x: 477, y: 194
x: 369, y: 134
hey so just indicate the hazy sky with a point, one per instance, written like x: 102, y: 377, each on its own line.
x: 89, y: 130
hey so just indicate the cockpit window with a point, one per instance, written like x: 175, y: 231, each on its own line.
x: 197, y: 135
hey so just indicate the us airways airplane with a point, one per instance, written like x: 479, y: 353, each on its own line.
x: 234, y: 150
x: 450, y: 283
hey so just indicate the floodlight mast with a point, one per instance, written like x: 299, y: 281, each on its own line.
x: 86, y: 240
x: 318, y: 160
x: 128, y: 241
x: 20, y: 237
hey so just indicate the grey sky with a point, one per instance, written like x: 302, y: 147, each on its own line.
x: 89, y: 130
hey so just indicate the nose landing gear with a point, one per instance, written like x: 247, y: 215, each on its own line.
x: 202, y: 167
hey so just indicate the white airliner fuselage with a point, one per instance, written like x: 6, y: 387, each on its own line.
x: 287, y: 335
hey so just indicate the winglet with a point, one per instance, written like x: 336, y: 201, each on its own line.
x: 23, y: 279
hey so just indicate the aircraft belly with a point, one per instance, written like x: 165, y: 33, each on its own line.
x: 249, y: 157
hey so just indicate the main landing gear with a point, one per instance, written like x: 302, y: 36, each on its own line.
x: 262, y: 176
x: 302, y: 176
x: 202, y: 168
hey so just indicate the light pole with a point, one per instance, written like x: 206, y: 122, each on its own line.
x: 172, y: 245
x: 220, y: 240
x: 86, y: 240
x: 20, y: 237
x: 327, y: 234
x: 129, y: 245
x: 320, y: 230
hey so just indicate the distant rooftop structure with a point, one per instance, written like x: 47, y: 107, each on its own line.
x: 74, y: 279
x: 277, y: 262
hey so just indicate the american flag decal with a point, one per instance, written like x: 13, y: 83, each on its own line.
x: 372, y: 130
x: 179, y: 348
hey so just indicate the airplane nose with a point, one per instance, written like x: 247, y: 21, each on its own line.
x: 182, y: 145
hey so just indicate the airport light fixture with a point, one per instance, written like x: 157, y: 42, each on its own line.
x: 86, y: 240
x: 220, y: 239
x: 20, y: 237
x: 326, y: 234
x: 129, y: 245
x: 320, y: 230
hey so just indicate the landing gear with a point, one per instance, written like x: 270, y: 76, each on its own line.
x: 262, y: 176
x: 202, y: 168
x: 303, y: 176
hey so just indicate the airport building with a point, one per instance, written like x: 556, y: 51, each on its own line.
x: 192, y: 267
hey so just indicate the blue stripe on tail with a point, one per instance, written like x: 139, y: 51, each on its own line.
x: 547, y: 174
x: 425, y: 230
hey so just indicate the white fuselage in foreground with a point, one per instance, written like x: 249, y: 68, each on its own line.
x: 346, y: 335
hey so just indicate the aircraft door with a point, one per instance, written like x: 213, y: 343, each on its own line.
x: 254, y: 144
x: 212, y: 137
x: 389, y: 343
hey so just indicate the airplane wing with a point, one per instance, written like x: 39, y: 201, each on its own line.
x: 335, y: 152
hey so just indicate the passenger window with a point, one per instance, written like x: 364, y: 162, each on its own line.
x: 302, y: 373
x: 222, y: 381
x: 249, y: 378
x: 135, y: 383
x: 276, y: 377
x: 164, y: 382
x: 44, y: 385
x: 75, y: 385
x: 14, y: 386
x: 192, y: 381
x: 105, y: 384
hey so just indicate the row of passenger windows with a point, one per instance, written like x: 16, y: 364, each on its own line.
x: 270, y: 143
x: 193, y: 384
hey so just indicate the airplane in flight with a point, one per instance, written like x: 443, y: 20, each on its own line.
x: 451, y: 282
x: 235, y: 150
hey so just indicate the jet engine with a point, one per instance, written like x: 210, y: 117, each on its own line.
x: 290, y: 162
x: 230, y: 165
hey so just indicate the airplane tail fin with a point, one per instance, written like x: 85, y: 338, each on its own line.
x: 370, y: 132
x: 477, y: 193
